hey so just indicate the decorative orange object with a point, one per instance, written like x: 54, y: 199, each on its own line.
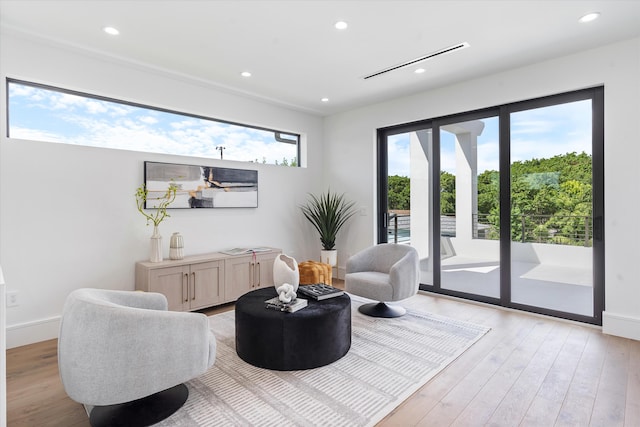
x: 314, y: 272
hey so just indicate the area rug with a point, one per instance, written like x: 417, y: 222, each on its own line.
x: 388, y: 361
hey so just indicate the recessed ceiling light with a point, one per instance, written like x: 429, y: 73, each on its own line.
x: 589, y: 17
x: 325, y: 100
x: 112, y: 31
x: 341, y: 25
x: 419, y: 70
x: 245, y: 74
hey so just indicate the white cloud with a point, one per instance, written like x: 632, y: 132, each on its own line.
x: 488, y: 156
x: 148, y: 120
x: 398, y: 156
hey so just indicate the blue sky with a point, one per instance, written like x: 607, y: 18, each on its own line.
x: 44, y: 115
x: 539, y: 133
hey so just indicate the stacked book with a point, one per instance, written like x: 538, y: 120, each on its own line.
x: 320, y: 291
x: 289, y: 307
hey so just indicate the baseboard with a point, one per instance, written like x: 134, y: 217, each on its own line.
x: 32, y: 332
x: 621, y: 325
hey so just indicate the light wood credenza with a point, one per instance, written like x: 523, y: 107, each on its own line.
x: 201, y: 281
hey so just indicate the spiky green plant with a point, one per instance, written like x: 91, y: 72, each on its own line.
x: 328, y: 213
x: 160, y: 214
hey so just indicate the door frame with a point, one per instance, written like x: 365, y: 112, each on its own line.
x: 596, y: 94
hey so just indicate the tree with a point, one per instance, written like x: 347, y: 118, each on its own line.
x: 447, y: 193
x: 550, y: 199
x: 488, y: 192
x: 399, y: 193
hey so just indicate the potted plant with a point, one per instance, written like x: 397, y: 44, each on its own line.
x: 161, y: 205
x: 328, y: 213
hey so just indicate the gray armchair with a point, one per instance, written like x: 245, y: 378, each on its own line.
x: 123, y: 353
x: 386, y: 272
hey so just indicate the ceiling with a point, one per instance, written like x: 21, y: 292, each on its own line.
x: 297, y: 57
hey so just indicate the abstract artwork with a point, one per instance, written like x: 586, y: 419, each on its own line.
x: 202, y: 186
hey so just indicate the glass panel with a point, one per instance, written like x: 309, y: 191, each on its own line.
x: 551, y: 208
x: 469, y: 207
x: 53, y: 115
x: 409, y: 195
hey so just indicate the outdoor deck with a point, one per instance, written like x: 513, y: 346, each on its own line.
x: 549, y: 286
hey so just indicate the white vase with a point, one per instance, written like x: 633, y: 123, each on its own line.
x: 176, y: 246
x: 155, y: 254
x: 285, y: 270
x: 329, y: 257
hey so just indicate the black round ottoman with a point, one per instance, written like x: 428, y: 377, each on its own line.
x: 311, y: 337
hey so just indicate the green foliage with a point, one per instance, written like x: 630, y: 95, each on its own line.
x: 548, y: 196
x: 285, y: 162
x: 488, y: 191
x: 447, y: 193
x: 142, y: 196
x: 399, y: 193
x: 328, y: 213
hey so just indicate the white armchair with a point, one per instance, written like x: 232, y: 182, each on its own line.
x: 386, y: 272
x: 122, y: 351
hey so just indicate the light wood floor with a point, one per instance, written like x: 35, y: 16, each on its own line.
x: 527, y: 371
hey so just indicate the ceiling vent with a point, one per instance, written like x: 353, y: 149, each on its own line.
x: 440, y: 52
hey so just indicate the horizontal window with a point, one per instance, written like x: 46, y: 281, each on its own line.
x: 44, y: 113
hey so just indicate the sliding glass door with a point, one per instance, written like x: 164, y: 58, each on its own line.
x: 505, y: 205
x: 552, y: 207
x: 469, y: 207
x: 407, y: 203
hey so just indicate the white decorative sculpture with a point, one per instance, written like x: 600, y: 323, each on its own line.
x: 285, y: 270
x: 286, y: 294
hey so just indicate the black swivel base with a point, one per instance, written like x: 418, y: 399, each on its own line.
x: 381, y: 309
x: 142, y: 412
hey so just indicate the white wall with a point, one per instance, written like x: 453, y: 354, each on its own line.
x: 351, y: 135
x: 67, y: 214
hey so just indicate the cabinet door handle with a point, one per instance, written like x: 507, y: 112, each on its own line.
x: 193, y: 285
x: 185, y: 289
x: 259, y: 275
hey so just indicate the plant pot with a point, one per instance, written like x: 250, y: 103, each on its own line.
x: 329, y: 257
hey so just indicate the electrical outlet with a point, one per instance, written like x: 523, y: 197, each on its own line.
x: 12, y: 299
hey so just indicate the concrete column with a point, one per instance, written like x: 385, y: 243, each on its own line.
x: 420, y: 150
x: 466, y: 175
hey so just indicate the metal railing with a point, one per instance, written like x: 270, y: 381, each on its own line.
x: 399, y: 227
x: 574, y: 230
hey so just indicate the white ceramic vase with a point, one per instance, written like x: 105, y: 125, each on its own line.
x: 155, y: 254
x: 176, y: 246
x: 329, y: 257
x: 285, y: 270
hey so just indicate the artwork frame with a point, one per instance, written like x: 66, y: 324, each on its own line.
x: 201, y: 186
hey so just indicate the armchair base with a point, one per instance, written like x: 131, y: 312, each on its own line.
x: 381, y: 309
x: 142, y: 412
